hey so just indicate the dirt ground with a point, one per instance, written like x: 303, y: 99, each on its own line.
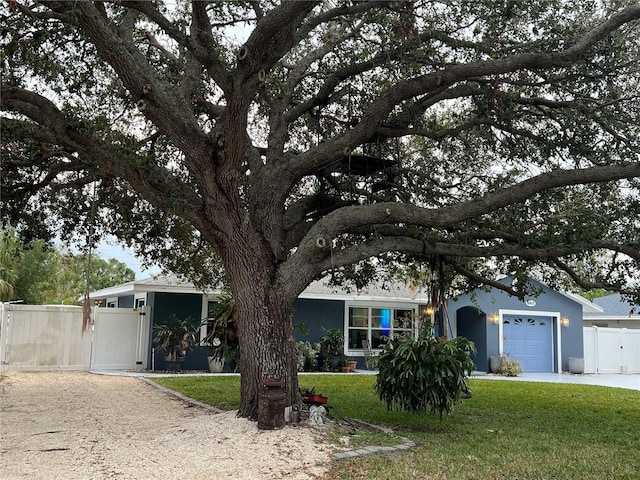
x: 77, y: 425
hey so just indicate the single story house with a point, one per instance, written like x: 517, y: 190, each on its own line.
x: 541, y: 332
x: 614, y: 312
x: 366, y: 314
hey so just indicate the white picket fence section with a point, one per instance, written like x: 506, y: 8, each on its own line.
x: 611, y: 350
x: 39, y: 337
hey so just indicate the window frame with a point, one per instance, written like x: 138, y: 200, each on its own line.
x: 140, y: 300
x: 370, y: 306
x: 204, y: 330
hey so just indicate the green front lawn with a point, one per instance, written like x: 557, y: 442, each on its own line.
x: 507, y: 430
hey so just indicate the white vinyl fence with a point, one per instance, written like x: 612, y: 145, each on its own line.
x: 611, y: 350
x: 120, y: 338
x: 39, y: 337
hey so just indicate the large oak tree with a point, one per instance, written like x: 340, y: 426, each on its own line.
x: 288, y: 140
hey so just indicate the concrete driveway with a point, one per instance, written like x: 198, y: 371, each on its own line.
x: 631, y: 382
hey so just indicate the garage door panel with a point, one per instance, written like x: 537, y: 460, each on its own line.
x: 529, y: 339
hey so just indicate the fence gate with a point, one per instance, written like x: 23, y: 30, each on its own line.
x: 611, y: 350
x: 120, y: 338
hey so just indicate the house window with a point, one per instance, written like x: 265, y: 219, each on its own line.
x: 376, y: 324
x: 112, y: 302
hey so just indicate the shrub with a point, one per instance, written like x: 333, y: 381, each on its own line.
x: 416, y: 375
x: 307, y: 356
x: 509, y: 368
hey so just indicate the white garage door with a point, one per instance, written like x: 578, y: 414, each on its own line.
x: 529, y: 339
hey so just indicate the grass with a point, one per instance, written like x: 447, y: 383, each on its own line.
x: 507, y: 430
x: 220, y: 391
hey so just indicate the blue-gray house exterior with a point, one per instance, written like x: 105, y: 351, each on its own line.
x: 320, y: 308
x: 541, y: 331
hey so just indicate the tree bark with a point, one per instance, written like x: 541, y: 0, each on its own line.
x: 266, y: 332
x: 265, y: 319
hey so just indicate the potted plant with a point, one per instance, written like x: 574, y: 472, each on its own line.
x: 352, y: 365
x: 333, y: 342
x: 307, y: 356
x: 344, y: 364
x: 222, y: 334
x: 215, y: 360
x: 175, y: 338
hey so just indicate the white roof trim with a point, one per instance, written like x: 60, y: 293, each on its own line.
x: 144, y: 286
x: 587, y: 305
x: 174, y: 286
x: 355, y: 297
x: 612, y: 317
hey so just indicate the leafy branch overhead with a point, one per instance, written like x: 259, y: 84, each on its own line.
x: 285, y: 141
x: 486, y: 112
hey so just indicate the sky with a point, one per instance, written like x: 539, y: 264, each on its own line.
x: 111, y: 249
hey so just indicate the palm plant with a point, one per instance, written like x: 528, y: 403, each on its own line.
x: 176, y: 337
x: 8, y: 274
x: 222, y: 329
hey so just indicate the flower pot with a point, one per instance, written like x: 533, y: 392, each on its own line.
x: 494, y: 363
x: 576, y: 365
x: 174, y: 365
x: 334, y: 363
x: 345, y: 369
x: 216, y: 364
x: 352, y: 366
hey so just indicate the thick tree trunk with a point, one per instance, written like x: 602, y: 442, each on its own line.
x: 266, y: 346
x: 265, y: 321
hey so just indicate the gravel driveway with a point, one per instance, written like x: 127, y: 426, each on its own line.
x: 77, y: 425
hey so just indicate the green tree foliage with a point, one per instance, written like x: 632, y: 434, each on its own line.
x: 72, y: 273
x: 284, y: 141
x: 8, y: 264
x: 424, y: 374
x: 36, y: 274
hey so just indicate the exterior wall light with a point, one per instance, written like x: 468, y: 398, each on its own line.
x: 564, y: 321
x: 494, y: 318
